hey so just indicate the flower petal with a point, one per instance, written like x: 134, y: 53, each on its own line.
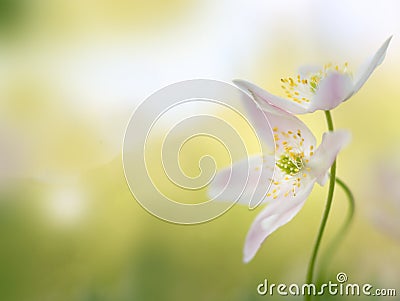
x: 260, y: 123
x: 287, y: 129
x: 270, y: 219
x: 263, y: 97
x: 332, y: 90
x: 370, y: 66
x: 306, y: 70
x: 244, y: 182
x: 325, y: 155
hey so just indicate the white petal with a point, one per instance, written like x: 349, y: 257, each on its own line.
x: 321, y: 180
x: 264, y: 98
x: 332, y: 91
x: 370, y: 66
x: 289, y: 130
x: 325, y: 155
x: 271, y: 218
x: 306, y: 70
x: 286, y: 128
x: 245, y: 182
x: 260, y: 123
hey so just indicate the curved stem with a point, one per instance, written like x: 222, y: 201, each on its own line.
x: 332, y: 180
x: 343, y: 230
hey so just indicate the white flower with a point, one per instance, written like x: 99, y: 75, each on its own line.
x: 318, y: 88
x: 283, y: 180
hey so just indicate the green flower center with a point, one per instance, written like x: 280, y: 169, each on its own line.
x: 291, y: 163
x: 314, y: 81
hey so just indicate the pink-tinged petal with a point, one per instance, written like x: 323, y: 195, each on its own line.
x: 286, y: 128
x: 263, y: 98
x: 332, y: 90
x: 260, y: 123
x: 243, y: 182
x: 370, y: 66
x: 325, y: 155
x: 321, y: 180
x: 271, y: 218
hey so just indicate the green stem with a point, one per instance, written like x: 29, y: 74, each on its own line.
x: 310, y: 271
x: 329, y: 120
x: 343, y: 230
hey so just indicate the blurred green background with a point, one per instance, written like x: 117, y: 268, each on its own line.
x: 71, y: 74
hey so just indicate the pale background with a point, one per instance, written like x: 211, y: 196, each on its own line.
x: 71, y: 74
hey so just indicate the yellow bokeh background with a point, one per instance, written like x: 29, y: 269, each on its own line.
x: 71, y: 75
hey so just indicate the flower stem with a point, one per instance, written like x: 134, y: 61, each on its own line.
x: 343, y: 230
x: 332, y: 180
x: 329, y: 120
